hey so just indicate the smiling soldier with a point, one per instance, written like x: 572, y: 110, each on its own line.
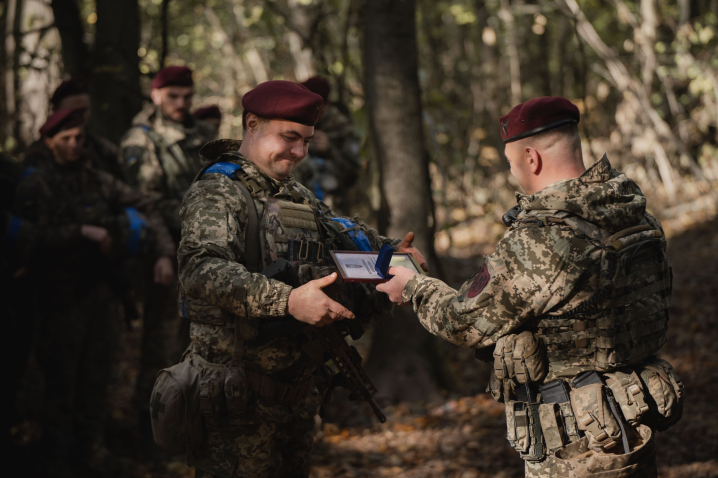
x: 259, y: 395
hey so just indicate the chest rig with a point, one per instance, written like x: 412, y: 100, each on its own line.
x: 626, y: 320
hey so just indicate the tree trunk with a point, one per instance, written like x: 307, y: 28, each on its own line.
x: 17, y: 50
x: 4, y: 117
x: 75, y: 54
x: 115, y: 81
x: 400, y: 362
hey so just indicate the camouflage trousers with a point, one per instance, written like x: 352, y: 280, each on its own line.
x: 76, y: 350
x: 269, y: 440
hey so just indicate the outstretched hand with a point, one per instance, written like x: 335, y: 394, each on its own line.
x: 310, y: 305
x: 395, y: 287
x: 405, y: 246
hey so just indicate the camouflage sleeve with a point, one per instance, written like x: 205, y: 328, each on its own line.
x: 124, y: 196
x: 214, y: 220
x: 32, y: 199
x: 530, y: 273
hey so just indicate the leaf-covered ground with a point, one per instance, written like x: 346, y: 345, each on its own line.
x: 464, y: 436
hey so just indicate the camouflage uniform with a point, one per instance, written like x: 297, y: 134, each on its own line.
x: 333, y: 172
x: 161, y: 158
x: 78, y: 310
x: 221, y: 296
x: 547, y: 264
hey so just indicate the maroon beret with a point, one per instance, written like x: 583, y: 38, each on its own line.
x: 319, y: 85
x: 536, y: 116
x: 71, y: 87
x: 62, y: 120
x: 283, y: 100
x: 173, y: 76
x: 208, y: 112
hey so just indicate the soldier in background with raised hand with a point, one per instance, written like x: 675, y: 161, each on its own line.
x: 571, y: 307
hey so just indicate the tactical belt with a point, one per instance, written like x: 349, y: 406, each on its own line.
x: 268, y: 387
x: 308, y: 251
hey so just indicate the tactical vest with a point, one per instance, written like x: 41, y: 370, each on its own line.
x: 626, y: 321
x: 179, y: 165
x: 284, y: 225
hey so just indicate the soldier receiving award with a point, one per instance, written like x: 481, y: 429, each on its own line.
x: 264, y: 298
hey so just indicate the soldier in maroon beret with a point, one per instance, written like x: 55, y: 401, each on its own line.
x: 160, y: 156
x: 98, y: 222
x: 101, y: 152
x: 209, y: 114
x: 244, y: 212
x: 579, y: 272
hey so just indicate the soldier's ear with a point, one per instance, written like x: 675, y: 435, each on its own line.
x: 156, y: 96
x: 535, y: 162
x: 48, y: 142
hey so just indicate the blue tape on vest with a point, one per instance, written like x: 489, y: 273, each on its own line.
x: 228, y: 169
x: 28, y: 171
x: 318, y: 191
x: 137, y: 224
x: 358, y: 236
x: 12, y: 232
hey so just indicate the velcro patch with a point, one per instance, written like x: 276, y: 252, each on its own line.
x: 480, y: 281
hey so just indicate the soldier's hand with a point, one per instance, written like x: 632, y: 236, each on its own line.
x: 164, y: 271
x: 320, y: 143
x: 405, y: 246
x: 100, y: 235
x: 395, y: 287
x: 310, y: 305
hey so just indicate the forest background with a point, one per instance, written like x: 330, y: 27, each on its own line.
x: 425, y: 82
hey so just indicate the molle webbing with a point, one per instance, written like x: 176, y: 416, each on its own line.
x: 627, y: 319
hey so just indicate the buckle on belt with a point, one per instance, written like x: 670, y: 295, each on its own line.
x: 306, y: 250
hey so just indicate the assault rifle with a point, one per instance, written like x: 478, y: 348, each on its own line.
x: 332, y: 338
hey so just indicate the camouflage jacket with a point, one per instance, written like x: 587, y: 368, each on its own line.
x: 535, y: 271
x: 61, y: 199
x: 161, y: 158
x: 215, y: 287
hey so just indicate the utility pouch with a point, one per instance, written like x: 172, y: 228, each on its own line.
x: 628, y: 392
x: 503, y: 357
x: 524, y: 425
x: 236, y: 389
x: 495, y: 388
x: 665, y: 393
x: 529, y: 362
x: 174, y: 408
x: 594, y: 417
x: 211, y: 390
x: 579, y: 460
x: 557, y: 419
x: 517, y: 426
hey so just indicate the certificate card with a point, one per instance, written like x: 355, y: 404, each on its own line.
x: 355, y: 266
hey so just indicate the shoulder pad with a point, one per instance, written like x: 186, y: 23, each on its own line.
x: 228, y: 169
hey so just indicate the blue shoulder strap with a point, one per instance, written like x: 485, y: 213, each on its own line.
x: 359, y: 238
x: 144, y: 128
x: 136, y: 225
x: 228, y: 169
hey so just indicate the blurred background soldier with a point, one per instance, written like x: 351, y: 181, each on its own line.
x: 211, y: 115
x: 102, y: 152
x: 87, y: 209
x: 332, y: 165
x: 160, y: 157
